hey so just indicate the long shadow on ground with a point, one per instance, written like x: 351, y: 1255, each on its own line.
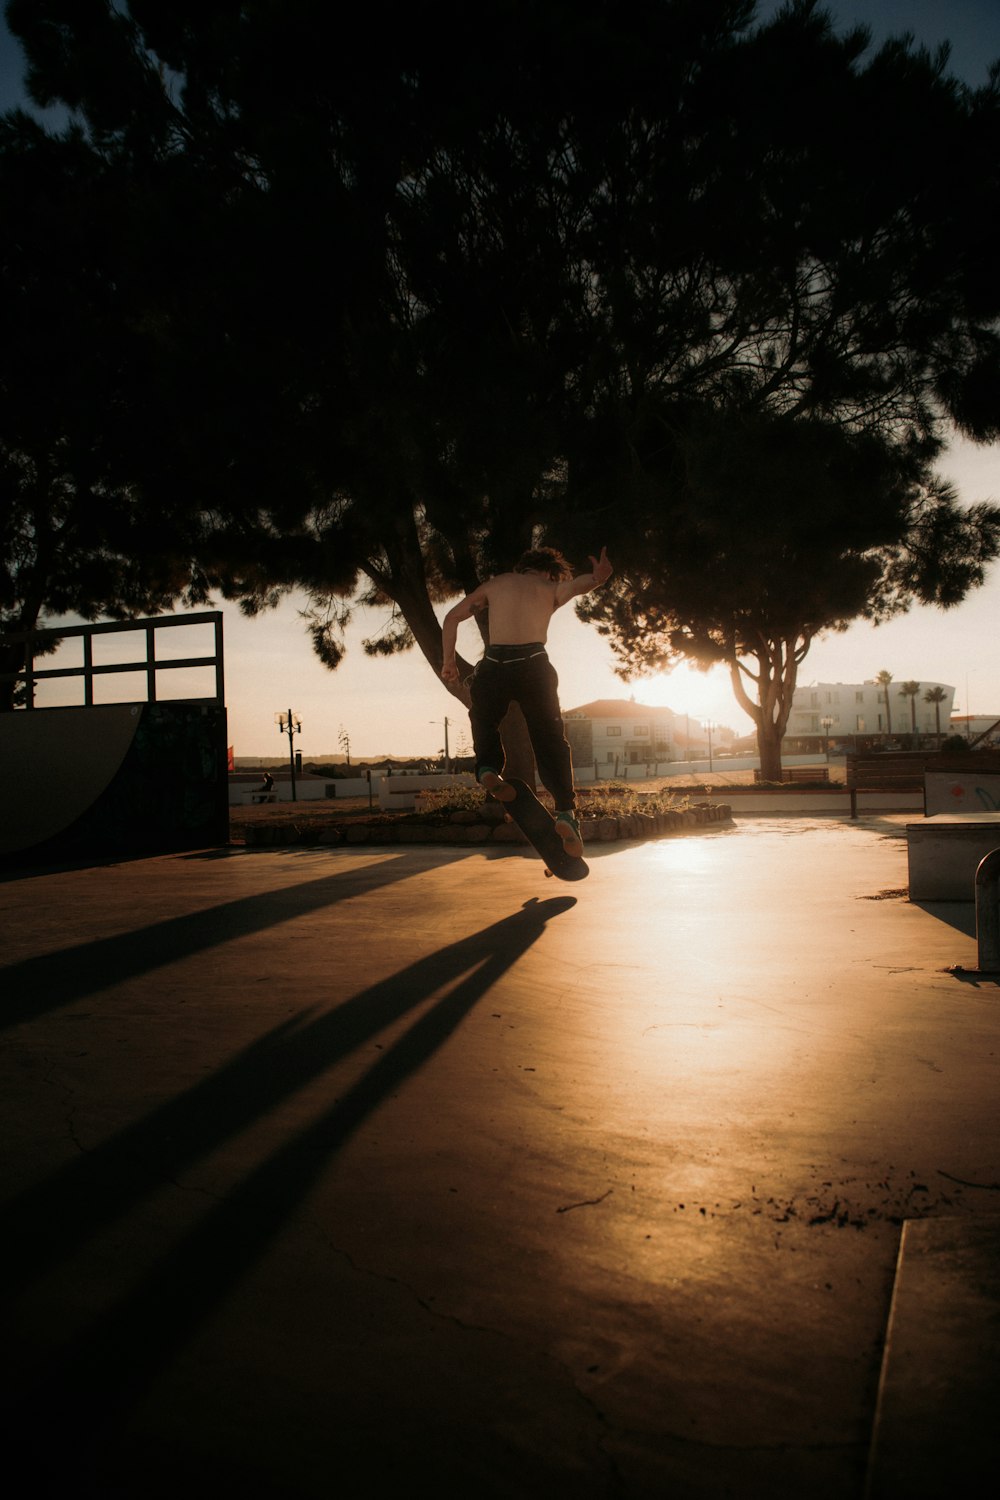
x: 36, y: 986
x: 88, y: 1390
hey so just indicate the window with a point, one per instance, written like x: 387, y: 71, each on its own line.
x: 859, y: 697
x: 613, y: 729
x: 641, y: 731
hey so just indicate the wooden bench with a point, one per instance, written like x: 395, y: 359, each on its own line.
x: 901, y: 771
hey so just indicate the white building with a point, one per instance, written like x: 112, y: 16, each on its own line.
x: 619, y: 731
x: 841, y: 711
x: 982, y: 727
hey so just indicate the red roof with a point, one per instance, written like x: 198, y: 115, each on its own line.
x: 612, y: 708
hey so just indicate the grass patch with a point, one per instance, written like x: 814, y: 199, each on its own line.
x: 615, y: 799
x: 618, y: 798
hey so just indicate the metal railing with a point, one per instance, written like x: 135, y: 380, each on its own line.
x: 988, y: 912
x: 89, y: 669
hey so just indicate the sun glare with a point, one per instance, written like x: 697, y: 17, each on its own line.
x: 701, y: 696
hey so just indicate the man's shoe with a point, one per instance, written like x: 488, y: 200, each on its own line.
x: 569, y: 831
x: 492, y: 782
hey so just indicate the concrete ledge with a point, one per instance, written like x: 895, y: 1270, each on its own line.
x: 935, y: 1429
x: 943, y: 853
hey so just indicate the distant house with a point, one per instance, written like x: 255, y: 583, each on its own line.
x: 858, y: 712
x: 619, y: 731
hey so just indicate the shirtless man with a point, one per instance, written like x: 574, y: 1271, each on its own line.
x: 516, y: 669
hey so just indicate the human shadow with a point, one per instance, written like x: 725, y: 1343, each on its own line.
x: 35, y: 986
x: 90, y: 1387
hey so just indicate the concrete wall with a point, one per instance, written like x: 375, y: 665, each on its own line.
x: 399, y: 792
x: 943, y: 853
x: 962, y: 791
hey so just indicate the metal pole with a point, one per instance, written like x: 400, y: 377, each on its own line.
x: 988, y: 912
x: 291, y: 752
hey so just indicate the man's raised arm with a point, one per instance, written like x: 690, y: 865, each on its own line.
x: 601, y: 571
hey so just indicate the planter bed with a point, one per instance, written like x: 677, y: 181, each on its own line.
x: 484, y: 825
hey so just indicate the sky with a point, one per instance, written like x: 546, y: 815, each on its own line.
x: 396, y: 706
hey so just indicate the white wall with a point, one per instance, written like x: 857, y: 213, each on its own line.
x: 242, y: 789
x: 845, y: 703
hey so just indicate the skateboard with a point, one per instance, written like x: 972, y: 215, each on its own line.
x: 539, y: 827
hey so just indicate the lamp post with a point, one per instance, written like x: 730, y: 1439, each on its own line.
x: 827, y: 724
x: 708, y: 726
x: 289, y: 724
x: 447, y: 757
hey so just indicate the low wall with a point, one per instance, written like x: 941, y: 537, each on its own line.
x: 722, y: 763
x: 965, y: 790
x: 399, y: 793
x: 245, y: 791
x: 816, y: 800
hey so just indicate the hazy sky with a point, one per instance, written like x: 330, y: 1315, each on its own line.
x: 398, y: 706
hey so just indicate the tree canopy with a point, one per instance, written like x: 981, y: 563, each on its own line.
x: 385, y: 304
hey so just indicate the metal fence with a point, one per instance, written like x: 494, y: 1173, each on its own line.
x: 39, y: 643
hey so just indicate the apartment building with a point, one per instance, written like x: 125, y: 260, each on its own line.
x: 847, y: 711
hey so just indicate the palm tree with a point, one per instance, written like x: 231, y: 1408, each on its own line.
x: 884, y: 678
x: 936, y: 695
x: 910, y: 690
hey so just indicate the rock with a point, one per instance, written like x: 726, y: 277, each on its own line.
x: 507, y: 833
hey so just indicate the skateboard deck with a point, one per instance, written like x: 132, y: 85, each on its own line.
x: 539, y: 827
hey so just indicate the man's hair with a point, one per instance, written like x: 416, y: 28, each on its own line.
x: 544, y: 560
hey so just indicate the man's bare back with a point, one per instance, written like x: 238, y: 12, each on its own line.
x: 520, y: 604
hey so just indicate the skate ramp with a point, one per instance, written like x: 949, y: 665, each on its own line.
x: 113, y: 779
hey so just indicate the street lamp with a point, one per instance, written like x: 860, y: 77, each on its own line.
x: 446, y: 722
x: 289, y: 723
x: 827, y: 724
x: 708, y: 727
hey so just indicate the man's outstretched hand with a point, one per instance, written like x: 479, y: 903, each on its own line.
x: 602, y: 568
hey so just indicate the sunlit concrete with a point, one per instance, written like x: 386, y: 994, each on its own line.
x: 357, y: 1173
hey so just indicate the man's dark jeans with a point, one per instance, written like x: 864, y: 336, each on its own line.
x: 522, y: 675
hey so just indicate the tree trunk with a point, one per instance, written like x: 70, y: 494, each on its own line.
x: 12, y: 660
x: 777, y: 664
x: 769, y: 738
x: 517, y: 747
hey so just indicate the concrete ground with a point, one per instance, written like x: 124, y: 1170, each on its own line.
x: 355, y: 1173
